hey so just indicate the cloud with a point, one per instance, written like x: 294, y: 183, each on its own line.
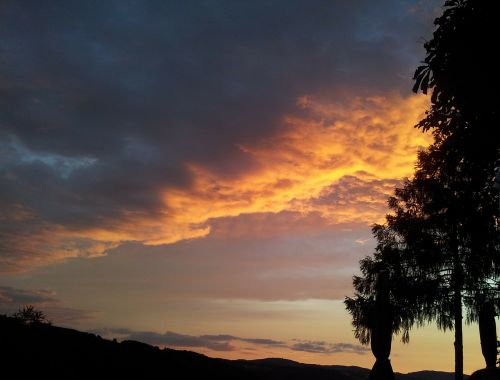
x: 141, y: 121
x: 28, y: 241
x: 372, y: 139
x: 321, y: 347
x: 288, y: 230
x: 11, y: 299
x: 14, y: 296
x: 325, y: 168
x: 171, y: 339
x: 292, y: 262
x: 223, y: 342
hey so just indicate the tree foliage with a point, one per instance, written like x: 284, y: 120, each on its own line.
x: 440, y: 242
x: 408, y: 307
x: 30, y: 315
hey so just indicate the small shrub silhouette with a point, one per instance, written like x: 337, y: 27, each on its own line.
x: 29, y: 315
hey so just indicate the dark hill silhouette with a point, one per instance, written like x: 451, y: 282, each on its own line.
x: 43, y: 350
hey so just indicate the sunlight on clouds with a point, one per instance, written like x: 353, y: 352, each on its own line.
x: 42, y: 242
x: 338, y: 161
x: 370, y: 139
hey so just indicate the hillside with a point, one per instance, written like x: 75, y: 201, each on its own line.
x: 55, y: 352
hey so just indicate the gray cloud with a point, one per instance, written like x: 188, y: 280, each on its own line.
x: 11, y: 299
x: 322, y: 347
x: 222, y: 342
x: 103, y: 103
x: 172, y: 339
x: 258, y: 341
x: 14, y: 296
x: 112, y: 331
x: 364, y: 192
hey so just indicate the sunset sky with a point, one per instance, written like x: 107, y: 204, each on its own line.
x: 204, y: 174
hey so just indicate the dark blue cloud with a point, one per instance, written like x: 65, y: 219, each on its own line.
x: 102, y: 102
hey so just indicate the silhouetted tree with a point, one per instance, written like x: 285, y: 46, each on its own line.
x: 30, y: 315
x: 451, y: 231
x: 408, y: 298
x: 443, y: 229
x: 460, y: 70
x: 440, y: 248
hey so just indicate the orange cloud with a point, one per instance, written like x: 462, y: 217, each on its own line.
x: 40, y: 242
x: 370, y: 140
x: 338, y: 161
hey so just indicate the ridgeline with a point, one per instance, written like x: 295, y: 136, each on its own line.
x: 46, y: 351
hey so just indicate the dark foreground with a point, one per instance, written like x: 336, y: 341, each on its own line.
x: 60, y: 353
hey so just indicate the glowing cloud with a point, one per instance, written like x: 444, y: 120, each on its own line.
x: 356, y: 151
x: 336, y: 160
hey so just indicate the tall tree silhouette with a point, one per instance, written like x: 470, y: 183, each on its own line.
x: 439, y: 249
x: 443, y: 225
x: 450, y: 230
x: 460, y: 71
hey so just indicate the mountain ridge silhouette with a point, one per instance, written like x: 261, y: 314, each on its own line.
x: 57, y: 352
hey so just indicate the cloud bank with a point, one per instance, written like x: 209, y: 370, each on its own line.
x: 149, y: 121
x: 226, y: 342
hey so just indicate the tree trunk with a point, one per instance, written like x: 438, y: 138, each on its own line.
x: 457, y: 305
x: 381, y: 333
x: 459, y: 349
x: 488, y: 333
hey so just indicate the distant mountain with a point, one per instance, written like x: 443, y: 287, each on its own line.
x: 60, y: 353
x: 430, y: 375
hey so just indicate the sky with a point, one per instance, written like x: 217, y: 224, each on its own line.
x: 204, y: 175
